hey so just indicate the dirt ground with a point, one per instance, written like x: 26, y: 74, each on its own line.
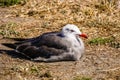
x: 100, y: 62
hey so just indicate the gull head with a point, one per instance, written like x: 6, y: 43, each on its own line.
x: 72, y: 30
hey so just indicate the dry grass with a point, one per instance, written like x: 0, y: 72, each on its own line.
x: 52, y: 15
x: 98, y: 18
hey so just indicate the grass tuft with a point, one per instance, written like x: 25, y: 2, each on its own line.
x: 7, y: 30
x: 111, y: 41
x: 101, y: 40
x: 10, y: 2
x: 82, y: 78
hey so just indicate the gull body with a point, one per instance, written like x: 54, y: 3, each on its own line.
x: 65, y: 45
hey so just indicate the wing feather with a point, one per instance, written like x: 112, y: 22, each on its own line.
x: 45, y: 46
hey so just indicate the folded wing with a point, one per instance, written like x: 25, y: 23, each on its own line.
x: 47, y: 45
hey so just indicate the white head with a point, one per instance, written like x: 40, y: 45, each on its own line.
x: 72, y: 30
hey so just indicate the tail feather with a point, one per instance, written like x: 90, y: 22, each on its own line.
x: 14, y: 45
x: 10, y: 45
x: 17, y: 39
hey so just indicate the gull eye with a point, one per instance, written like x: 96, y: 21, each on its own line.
x: 72, y: 30
x: 67, y: 29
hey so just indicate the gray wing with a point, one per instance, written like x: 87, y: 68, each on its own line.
x: 46, y: 45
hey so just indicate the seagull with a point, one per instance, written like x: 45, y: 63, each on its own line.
x: 65, y: 45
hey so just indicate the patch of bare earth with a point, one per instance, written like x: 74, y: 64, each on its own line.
x: 100, y: 62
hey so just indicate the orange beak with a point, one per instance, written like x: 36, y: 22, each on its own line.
x: 83, y: 35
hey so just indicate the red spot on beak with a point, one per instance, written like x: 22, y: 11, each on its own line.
x: 83, y: 35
